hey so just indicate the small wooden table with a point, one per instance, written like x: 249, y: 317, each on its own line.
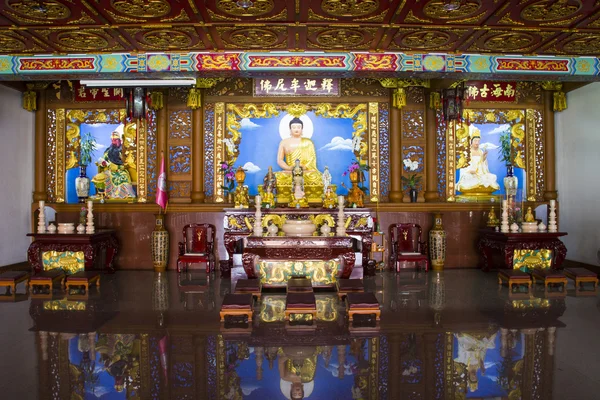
x: 299, y: 285
x: 300, y: 303
x: 362, y: 303
x: 251, y: 286
x: 236, y: 305
x: 549, y: 277
x: 91, y: 245
x: 345, y: 286
x: 514, y: 277
x: 11, y: 279
x: 581, y: 276
x: 47, y: 278
x: 83, y: 278
x: 494, y: 245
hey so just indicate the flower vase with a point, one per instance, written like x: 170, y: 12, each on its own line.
x: 82, y: 184
x: 437, y: 244
x: 511, y: 182
x: 413, y: 195
x: 160, y: 244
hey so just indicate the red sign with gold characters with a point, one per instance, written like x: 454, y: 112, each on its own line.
x: 84, y: 93
x: 296, y: 87
x: 504, y: 92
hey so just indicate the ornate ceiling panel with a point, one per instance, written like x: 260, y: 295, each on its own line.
x: 542, y: 27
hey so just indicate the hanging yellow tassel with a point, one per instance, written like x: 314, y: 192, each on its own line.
x: 156, y: 100
x: 399, y: 98
x: 560, y: 101
x: 435, y: 101
x: 194, y: 99
x: 29, y: 100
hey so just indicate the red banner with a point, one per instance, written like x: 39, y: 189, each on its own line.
x: 83, y: 93
x: 504, y: 92
x: 296, y: 87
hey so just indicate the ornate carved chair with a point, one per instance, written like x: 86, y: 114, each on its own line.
x: 197, y: 246
x: 406, y: 246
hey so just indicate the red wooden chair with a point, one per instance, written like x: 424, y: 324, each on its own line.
x: 406, y: 245
x: 197, y: 246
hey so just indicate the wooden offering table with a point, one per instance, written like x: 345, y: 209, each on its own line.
x: 497, y: 249
x: 276, y: 259
x: 90, y: 245
x: 239, y: 224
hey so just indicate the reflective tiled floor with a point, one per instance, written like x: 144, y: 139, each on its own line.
x: 441, y: 336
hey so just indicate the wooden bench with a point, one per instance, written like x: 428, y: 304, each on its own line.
x: 299, y: 285
x: 300, y: 303
x: 11, y: 279
x: 581, y: 276
x: 83, y: 278
x: 549, y: 277
x: 236, y: 305
x: 46, y: 278
x: 514, y: 277
x: 345, y: 286
x: 251, y: 286
x: 362, y: 303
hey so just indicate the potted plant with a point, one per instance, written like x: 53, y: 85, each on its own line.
x: 412, y: 181
x: 87, y: 145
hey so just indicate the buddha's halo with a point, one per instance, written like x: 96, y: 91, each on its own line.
x: 284, y: 126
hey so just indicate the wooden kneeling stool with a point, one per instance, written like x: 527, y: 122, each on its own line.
x: 362, y: 303
x: 236, y: 305
x: 83, y: 278
x: 251, y: 286
x: 548, y: 277
x: 514, y: 277
x: 581, y: 276
x: 47, y: 278
x: 345, y: 286
x: 11, y: 279
x: 300, y: 303
x: 299, y: 285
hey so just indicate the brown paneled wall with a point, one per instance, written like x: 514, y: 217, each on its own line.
x: 134, y: 231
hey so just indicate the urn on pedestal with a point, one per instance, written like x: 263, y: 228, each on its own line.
x: 160, y: 244
x: 437, y: 244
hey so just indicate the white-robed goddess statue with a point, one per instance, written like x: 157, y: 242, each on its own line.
x: 476, y: 178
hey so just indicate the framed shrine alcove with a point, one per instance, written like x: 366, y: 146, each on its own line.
x: 475, y: 168
x: 118, y: 167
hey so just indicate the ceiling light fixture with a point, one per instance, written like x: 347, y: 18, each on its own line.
x: 245, y: 4
x: 138, y: 82
x: 452, y: 5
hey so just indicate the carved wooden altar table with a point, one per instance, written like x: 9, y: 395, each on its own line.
x: 283, y: 250
x: 91, y: 245
x: 239, y: 222
x: 497, y: 245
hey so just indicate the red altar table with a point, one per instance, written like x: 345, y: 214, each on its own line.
x: 91, y: 245
x: 494, y: 245
x: 281, y: 248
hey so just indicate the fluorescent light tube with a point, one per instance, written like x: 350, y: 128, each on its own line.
x: 138, y: 82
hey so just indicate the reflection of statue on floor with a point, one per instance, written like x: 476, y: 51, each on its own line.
x: 297, y: 368
x: 302, y: 149
x: 114, y: 178
x: 471, y: 352
x: 476, y: 178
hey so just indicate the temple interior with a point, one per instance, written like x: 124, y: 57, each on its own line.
x: 260, y: 199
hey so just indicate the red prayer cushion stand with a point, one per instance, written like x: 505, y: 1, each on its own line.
x: 83, y: 278
x: 581, y: 276
x: 548, y: 277
x: 236, y: 305
x: 300, y: 303
x: 514, y: 277
x: 47, y: 278
x: 299, y: 285
x: 362, y: 303
x: 11, y: 279
x: 345, y: 286
x: 251, y: 286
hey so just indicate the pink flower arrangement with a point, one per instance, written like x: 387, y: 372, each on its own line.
x: 353, y: 167
x: 228, y: 177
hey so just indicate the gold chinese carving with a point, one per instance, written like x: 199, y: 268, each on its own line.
x: 8, y: 43
x: 588, y: 44
x: 59, y: 166
x: 167, y: 39
x: 349, y: 8
x: 550, y: 10
x: 143, y: 9
x: 253, y: 37
x: 425, y: 39
x: 437, y: 9
x: 70, y: 262
x: 257, y: 7
x: 82, y: 40
x: 51, y: 9
x: 508, y: 41
x: 340, y: 38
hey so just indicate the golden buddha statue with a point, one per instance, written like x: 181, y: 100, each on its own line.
x: 492, y: 220
x: 476, y: 178
x: 268, y: 199
x: 241, y: 197
x: 329, y: 198
x: 302, y: 149
x: 529, y: 216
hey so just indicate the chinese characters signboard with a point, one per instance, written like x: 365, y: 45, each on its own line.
x: 491, y: 91
x: 296, y: 87
x: 83, y: 93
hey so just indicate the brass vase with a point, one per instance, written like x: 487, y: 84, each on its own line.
x: 160, y: 244
x: 437, y: 244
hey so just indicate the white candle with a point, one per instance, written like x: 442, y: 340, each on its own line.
x: 552, y: 203
x: 341, y: 200
x: 42, y: 203
x: 257, y: 199
x: 90, y: 204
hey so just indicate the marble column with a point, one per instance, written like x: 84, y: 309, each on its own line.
x: 550, y: 149
x: 198, y: 153
x: 395, y: 155
x: 431, y: 193
x: 39, y: 189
